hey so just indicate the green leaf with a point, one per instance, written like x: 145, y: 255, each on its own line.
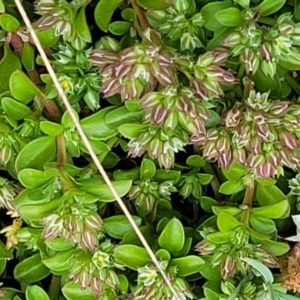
x: 66, y: 119
x: 228, y: 209
x: 163, y: 175
x: 73, y: 291
x: 172, y: 237
x: 163, y: 254
x: 131, y: 131
x: 104, y: 11
x: 98, y: 147
x: 31, y: 269
x: 119, y: 27
x: 81, y: 26
x: 9, y: 23
x: 131, y: 237
x: 148, y: 169
x: 204, y: 179
x: 231, y: 17
x: 276, y: 248
x: 133, y: 174
x: 124, y: 283
x: 35, y: 292
x: 227, y: 222
x: 243, y: 3
x: 102, y: 190
x: 218, y: 237
x: 132, y: 256
x: 28, y: 57
x: 196, y: 161
x: 51, y: 128
x: 235, y: 172
x: 122, y: 115
x: 29, y: 157
x: 266, y: 195
x: 261, y: 224
x: 231, y: 187
x: 273, y: 211
x: 60, y: 262
x: 154, y: 5
x: 22, y: 88
x: 209, y: 12
x: 59, y: 244
x: 34, y: 212
x: 187, y: 265
x: 268, y: 7
x: 15, y: 109
x: 266, y: 182
x: 261, y: 268
x: 118, y: 226
x: 212, y: 290
x: 9, y: 63
x: 95, y: 127
x: 128, y: 14
x: 31, y: 178
x: 186, y: 248
x: 208, y: 271
x: 2, y: 265
x: 207, y: 203
x: 47, y: 37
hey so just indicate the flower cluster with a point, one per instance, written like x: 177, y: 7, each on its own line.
x: 160, y: 143
x: 209, y: 73
x: 176, y: 106
x: 260, y: 134
x: 152, y: 286
x: 264, y: 48
x: 179, y: 23
x: 134, y: 70
x: 74, y: 222
x: 60, y: 15
x: 77, y: 76
x: 96, y: 270
x: 145, y: 193
x: 8, y: 192
x: 230, y: 254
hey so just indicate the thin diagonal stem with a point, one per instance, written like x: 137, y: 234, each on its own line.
x: 89, y: 147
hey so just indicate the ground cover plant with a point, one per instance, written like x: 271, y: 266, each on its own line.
x: 193, y: 109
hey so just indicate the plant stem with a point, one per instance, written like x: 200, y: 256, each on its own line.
x: 247, y: 203
x: 214, y: 182
x: 293, y: 83
x: 142, y: 18
x: 249, y: 195
x: 267, y: 21
x: 52, y: 111
x: 54, y: 287
x: 145, y: 24
x: 61, y: 151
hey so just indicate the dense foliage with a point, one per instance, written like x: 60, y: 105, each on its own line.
x: 193, y: 108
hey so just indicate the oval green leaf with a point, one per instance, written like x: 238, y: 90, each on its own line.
x: 15, y: 109
x: 31, y: 269
x: 172, y: 237
x: 118, y: 226
x: 22, y: 88
x: 104, y: 11
x: 51, y: 128
x: 132, y: 256
x: 35, y: 292
x: 119, y: 27
x: 148, y: 169
x: 187, y: 265
x: 37, y: 153
x: 9, y: 23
